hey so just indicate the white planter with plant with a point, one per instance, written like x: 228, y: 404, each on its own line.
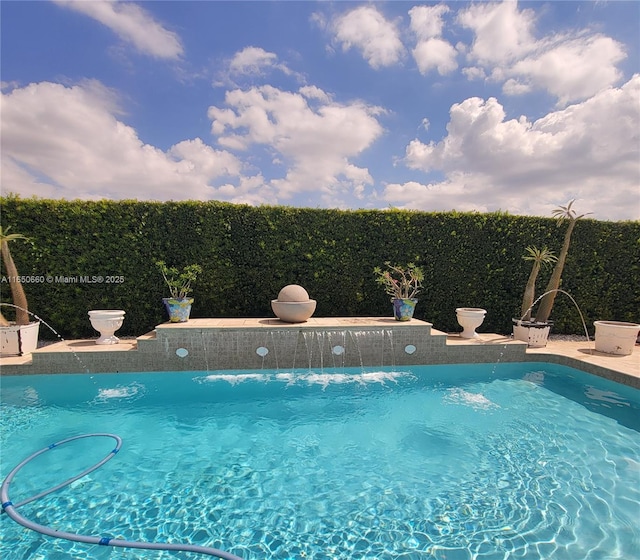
x: 402, y: 284
x: 180, y: 286
x: 17, y: 337
x: 535, y: 331
x: 524, y: 329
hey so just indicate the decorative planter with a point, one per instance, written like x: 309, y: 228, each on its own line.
x: 293, y: 304
x: 470, y: 318
x: 178, y: 309
x: 18, y: 340
x: 534, y: 334
x: 616, y: 337
x: 107, y: 322
x: 403, y: 308
x: 293, y: 311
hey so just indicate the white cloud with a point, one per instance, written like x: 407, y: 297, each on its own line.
x: 251, y: 60
x: 17, y: 179
x: 435, y: 53
x: 132, y: 24
x: 474, y: 73
x: 366, y: 29
x: 313, y: 92
x: 431, y: 50
x: 316, y: 142
x: 248, y: 190
x: 254, y: 61
x: 571, y: 67
x: 514, y: 87
x: 589, y: 149
x: 67, y: 142
x: 74, y: 141
x: 502, y: 32
x: 426, y: 21
x: 574, y: 69
x: 451, y: 194
x: 505, y: 48
x: 198, y: 158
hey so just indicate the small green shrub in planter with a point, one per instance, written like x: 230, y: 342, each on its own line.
x: 180, y: 285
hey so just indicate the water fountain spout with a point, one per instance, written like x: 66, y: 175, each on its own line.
x: 584, y: 325
x: 54, y: 331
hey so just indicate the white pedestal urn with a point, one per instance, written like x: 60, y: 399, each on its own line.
x: 470, y: 318
x: 18, y: 340
x: 293, y: 304
x: 616, y: 337
x: 106, y: 322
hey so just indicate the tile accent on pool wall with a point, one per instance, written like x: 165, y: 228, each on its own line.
x: 231, y: 344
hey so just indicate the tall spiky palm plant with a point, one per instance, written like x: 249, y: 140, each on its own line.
x: 562, y: 213
x: 17, y: 291
x: 539, y: 257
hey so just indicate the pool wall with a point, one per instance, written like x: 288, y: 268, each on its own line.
x: 210, y: 344
x: 241, y: 344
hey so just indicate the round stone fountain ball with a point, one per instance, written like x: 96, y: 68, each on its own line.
x: 293, y: 304
x: 293, y: 292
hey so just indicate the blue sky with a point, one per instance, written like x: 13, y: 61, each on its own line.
x: 462, y: 106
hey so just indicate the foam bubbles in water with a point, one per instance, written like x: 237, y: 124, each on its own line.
x: 234, y: 379
x: 134, y: 390
x: 290, y: 378
x: 474, y: 400
x: 382, y: 376
x: 324, y: 379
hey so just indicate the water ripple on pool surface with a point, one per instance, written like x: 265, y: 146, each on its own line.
x: 488, y: 470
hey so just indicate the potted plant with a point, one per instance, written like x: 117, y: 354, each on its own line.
x: 402, y: 284
x: 535, y: 331
x: 18, y: 337
x: 180, y: 285
x: 523, y: 327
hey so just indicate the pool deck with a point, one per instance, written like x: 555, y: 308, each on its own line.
x: 578, y: 354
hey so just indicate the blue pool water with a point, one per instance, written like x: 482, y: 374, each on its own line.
x: 533, y: 461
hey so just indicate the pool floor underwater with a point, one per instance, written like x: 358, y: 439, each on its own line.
x: 458, y: 462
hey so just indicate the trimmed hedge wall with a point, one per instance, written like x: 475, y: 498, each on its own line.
x: 249, y: 253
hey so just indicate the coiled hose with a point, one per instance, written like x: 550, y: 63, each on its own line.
x: 9, y: 508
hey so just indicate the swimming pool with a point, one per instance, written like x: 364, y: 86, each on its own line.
x: 524, y: 460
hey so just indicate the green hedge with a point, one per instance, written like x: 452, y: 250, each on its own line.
x: 249, y: 253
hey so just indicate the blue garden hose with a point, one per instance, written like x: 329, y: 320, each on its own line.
x: 10, y: 508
